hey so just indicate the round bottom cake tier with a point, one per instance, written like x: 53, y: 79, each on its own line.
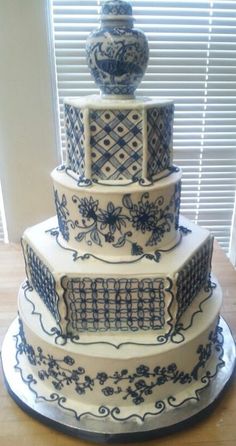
x: 103, y: 390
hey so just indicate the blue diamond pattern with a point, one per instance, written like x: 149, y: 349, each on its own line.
x: 43, y: 281
x: 116, y: 141
x: 159, y: 131
x: 75, y: 139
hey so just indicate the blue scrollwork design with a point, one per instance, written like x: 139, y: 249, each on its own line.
x: 135, y: 385
x: 86, y: 182
x: 100, y: 304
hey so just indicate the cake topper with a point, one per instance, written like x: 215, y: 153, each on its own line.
x: 117, y: 53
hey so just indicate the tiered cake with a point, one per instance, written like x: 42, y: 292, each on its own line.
x: 119, y: 316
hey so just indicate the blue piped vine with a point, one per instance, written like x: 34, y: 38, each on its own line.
x: 56, y: 332
x: 134, y: 385
x: 176, y: 334
x: 143, y: 182
x: 156, y: 256
x: 61, y: 338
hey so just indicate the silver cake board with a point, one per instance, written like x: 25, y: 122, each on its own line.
x: 104, y: 430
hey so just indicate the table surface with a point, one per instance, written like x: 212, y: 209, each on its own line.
x: 16, y: 427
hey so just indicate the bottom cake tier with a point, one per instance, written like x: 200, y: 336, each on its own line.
x: 122, y: 380
x: 112, y: 388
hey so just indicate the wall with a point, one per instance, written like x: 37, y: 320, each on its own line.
x: 28, y: 122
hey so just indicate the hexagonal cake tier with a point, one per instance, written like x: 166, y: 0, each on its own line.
x: 119, y: 139
x: 87, y: 294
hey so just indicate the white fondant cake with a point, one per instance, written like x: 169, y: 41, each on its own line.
x: 118, y: 315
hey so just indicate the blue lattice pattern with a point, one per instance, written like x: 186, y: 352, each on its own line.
x: 43, y: 281
x: 121, y: 143
x: 159, y: 134
x: 193, y: 276
x: 116, y: 142
x: 114, y: 304
x: 75, y: 139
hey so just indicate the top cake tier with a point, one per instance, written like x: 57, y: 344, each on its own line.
x: 113, y: 140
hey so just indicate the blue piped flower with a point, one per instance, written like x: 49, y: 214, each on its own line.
x: 68, y: 360
x: 143, y: 216
x: 108, y: 391
x: 112, y: 218
x: 88, y: 208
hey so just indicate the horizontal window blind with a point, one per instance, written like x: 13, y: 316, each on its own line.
x: 192, y: 61
x: 3, y: 227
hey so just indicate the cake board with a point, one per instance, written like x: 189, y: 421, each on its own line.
x: 103, y: 430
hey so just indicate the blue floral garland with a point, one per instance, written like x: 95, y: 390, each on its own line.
x: 138, y: 384
x: 97, y: 225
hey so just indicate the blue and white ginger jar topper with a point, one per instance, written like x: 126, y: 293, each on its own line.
x: 117, y: 53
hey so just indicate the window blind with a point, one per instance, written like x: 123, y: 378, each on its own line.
x: 3, y: 227
x: 192, y: 61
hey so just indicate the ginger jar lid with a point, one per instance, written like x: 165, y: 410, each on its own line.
x: 116, y: 9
